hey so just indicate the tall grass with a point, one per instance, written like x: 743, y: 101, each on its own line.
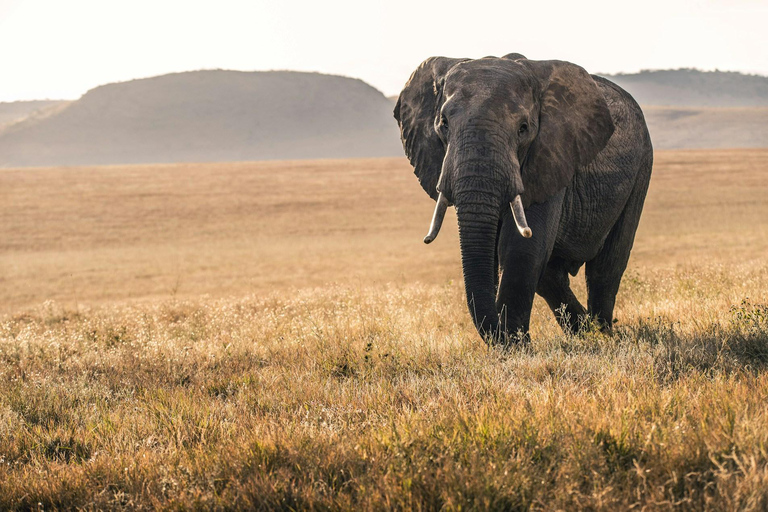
x: 123, y: 386
x: 384, y: 397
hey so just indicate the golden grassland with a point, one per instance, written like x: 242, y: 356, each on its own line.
x: 81, y: 236
x: 275, y: 335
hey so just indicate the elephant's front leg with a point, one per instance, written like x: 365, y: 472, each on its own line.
x: 523, y: 262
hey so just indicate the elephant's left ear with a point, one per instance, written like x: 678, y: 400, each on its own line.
x: 415, y: 112
x: 574, y: 126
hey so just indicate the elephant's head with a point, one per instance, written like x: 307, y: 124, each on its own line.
x: 495, y: 133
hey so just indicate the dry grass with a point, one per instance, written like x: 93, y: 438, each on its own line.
x: 85, y: 235
x: 373, y: 392
x: 81, y: 236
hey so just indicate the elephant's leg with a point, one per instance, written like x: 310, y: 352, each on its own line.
x: 517, y: 288
x: 604, y: 272
x: 523, y: 262
x: 555, y: 288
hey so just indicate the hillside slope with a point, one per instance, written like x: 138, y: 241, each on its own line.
x: 16, y: 111
x: 210, y: 116
x: 694, y: 88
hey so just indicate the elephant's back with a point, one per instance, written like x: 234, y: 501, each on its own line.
x: 631, y: 130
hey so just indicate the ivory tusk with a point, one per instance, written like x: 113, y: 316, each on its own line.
x: 437, y: 218
x: 519, y: 214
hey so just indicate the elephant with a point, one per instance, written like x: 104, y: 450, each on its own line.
x: 548, y: 168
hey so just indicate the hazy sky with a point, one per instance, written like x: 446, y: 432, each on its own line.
x: 62, y: 48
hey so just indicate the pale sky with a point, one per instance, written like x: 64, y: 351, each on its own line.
x: 61, y: 48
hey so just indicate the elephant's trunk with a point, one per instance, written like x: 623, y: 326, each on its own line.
x: 478, y: 216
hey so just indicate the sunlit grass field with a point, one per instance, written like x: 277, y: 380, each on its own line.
x: 275, y: 335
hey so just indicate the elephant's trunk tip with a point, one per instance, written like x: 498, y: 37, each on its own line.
x: 437, y: 219
x: 519, y: 214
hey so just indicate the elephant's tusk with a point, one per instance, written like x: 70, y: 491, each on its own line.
x: 519, y: 214
x: 437, y: 218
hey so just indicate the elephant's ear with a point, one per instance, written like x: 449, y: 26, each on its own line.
x: 415, y: 112
x: 574, y: 126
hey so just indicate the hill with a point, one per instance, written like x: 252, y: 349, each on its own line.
x: 209, y: 116
x: 694, y: 88
x: 16, y: 111
x: 688, y: 108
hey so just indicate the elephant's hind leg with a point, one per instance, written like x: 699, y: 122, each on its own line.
x: 555, y: 288
x: 604, y: 272
x: 603, y: 276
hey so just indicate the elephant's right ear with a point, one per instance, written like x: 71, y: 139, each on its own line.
x: 415, y: 112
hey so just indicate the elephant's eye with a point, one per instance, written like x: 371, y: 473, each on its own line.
x: 444, y: 120
x: 523, y: 128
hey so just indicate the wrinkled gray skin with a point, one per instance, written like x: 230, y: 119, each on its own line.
x: 574, y: 146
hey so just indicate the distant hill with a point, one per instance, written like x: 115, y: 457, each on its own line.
x: 688, y: 108
x: 209, y: 116
x: 694, y: 88
x: 19, y: 110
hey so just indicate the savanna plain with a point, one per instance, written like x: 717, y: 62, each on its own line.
x: 274, y: 335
